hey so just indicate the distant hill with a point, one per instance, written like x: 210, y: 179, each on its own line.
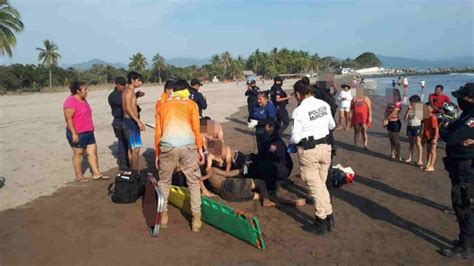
x: 177, y: 61
x: 95, y: 61
x: 184, y: 62
x: 400, y: 62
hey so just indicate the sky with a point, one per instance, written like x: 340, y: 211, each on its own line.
x: 114, y: 30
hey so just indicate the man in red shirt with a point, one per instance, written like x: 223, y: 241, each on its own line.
x: 437, y: 99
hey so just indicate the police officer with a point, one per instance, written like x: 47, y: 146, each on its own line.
x: 263, y: 112
x: 460, y: 165
x: 115, y: 102
x: 274, y: 162
x: 252, y: 95
x: 280, y: 100
x: 197, y: 96
x: 325, y: 95
x: 312, y: 122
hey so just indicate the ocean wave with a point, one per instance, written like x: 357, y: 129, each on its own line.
x: 462, y: 74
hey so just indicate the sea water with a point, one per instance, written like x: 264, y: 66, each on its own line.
x: 450, y: 82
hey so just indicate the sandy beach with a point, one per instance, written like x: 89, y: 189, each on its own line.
x: 35, y: 157
x: 394, y: 212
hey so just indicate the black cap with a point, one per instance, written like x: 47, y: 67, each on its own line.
x: 278, y: 79
x: 120, y: 81
x: 196, y: 82
x: 466, y: 90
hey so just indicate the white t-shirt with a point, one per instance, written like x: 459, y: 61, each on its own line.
x: 311, y: 118
x: 422, y: 83
x: 347, y: 102
x: 405, y: 81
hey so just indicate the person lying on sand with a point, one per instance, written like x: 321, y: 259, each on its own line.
x: 231, y: 185
x: 235, y: 189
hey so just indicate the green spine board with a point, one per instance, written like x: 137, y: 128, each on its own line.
x: 221, y: 216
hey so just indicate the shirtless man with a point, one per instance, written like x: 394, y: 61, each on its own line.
x: 131, y: 120
x: 234, y: 189
x: 228, y: 159
x: 232, y: 186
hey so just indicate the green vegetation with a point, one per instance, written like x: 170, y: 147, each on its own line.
x: 10, y: 24
x: 367, y: 59
x: 224, y: 66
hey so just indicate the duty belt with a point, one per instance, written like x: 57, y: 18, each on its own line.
x: 309, y: 142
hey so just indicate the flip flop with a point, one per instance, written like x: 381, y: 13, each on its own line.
x: 103, y: 177
x: 82, y: 180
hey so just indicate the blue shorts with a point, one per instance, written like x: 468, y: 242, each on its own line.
x: 413, y: 131
x: 132, y: 133
x: 85, y: 138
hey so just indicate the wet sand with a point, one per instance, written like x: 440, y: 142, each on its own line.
x: 393, y: 213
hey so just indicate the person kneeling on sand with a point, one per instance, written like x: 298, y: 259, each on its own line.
x: 224, y: 157
x: 179, y: 142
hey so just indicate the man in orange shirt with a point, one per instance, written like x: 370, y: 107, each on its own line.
x: 178, y: 142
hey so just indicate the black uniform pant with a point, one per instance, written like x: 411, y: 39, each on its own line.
x: 461, y: 173
x: 122, y: 146
x: 250, y: 109
x: 270, y: 172
x: 283, y: 119
x: 260, y: 138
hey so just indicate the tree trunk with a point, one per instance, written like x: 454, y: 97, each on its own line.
x: 50, y: 79
x: 159, y: 75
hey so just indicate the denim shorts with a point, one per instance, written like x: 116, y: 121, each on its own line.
x: 85, y: 138
x: 413, y: 131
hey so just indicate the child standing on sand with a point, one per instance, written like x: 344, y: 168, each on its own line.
x: 414, y: 130
x: 393, y: 124
x: 430, y: 138
x: 345, y: 98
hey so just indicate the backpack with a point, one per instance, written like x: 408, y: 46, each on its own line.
x: 127, y: 188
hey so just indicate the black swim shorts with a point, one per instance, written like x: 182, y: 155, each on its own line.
x: 237, y: 189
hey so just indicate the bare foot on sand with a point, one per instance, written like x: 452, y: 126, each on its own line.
x: 429, y: 169
x: 268, y: 203
x: 408, y: 160
x: 300, y: 202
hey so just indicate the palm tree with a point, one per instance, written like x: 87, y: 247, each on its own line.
x: 138, y: 62
x: 257, y: 55
x: 9, y: 23
x: 49, y: 56
x: 226, y: 60
x: 158, y: 64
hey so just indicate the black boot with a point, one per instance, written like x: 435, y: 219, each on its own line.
x: 459, y: 252
x: 330, y: 222
x: 321, y: 226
